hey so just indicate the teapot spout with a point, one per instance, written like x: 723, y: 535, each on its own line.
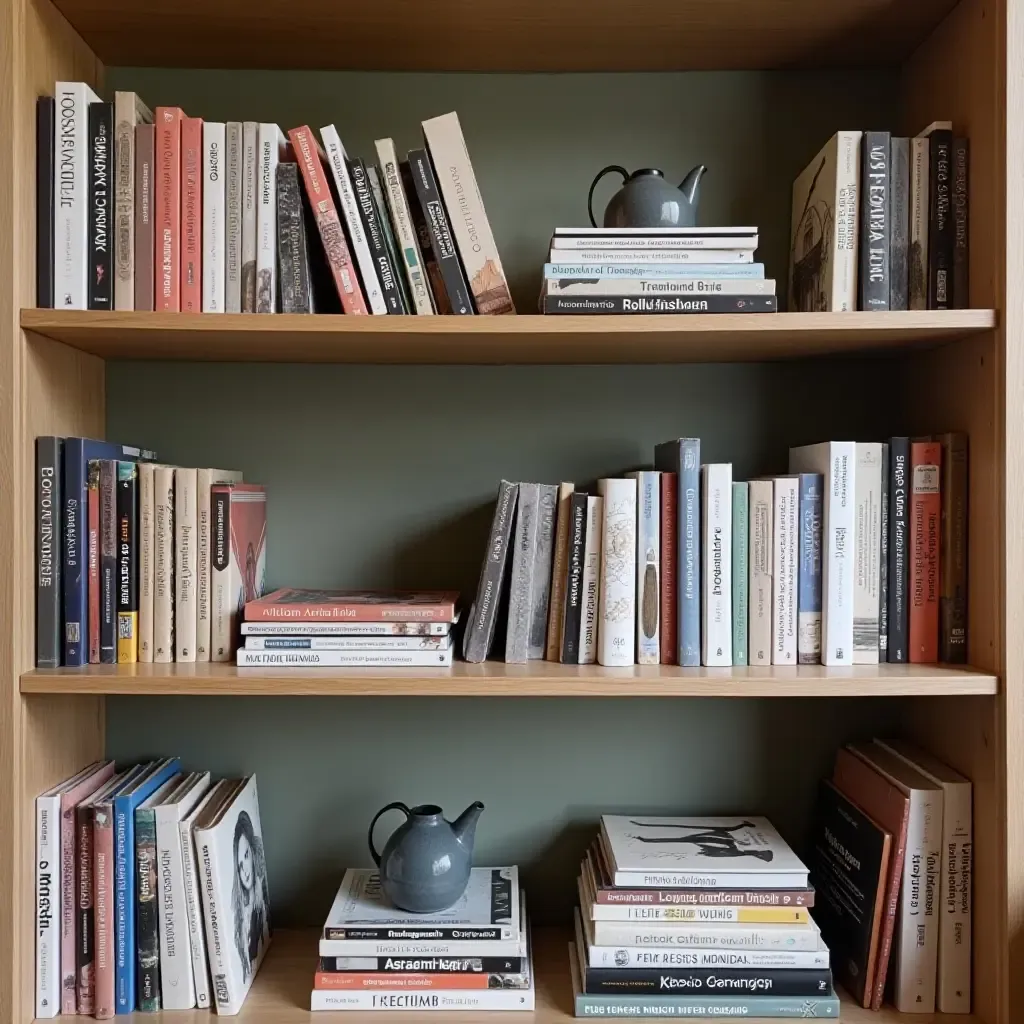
x: 464, y: 826
x: 690, y: 185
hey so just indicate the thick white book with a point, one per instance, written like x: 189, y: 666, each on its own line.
x: 348, y: 643
x: 616, y: 634
x: 659, y: 286
x: 917, y: 927
x: 699, y: 957
x: 129, y: 112
x: 425, y: 1000
x: 344, y: 659
x: 48, y: 903
x: 233, y: 217
x: 701, y: 852
x: 591, y: 580
x: 163, y: 565
x: 655, y: 233
x: 272, y: 148
x: 957, y: 869
x: 337, y: 158
x: 785, y: 559
x: 147, y: 569
x: 185, y: 528
x: 214, y: 217
x: 761, y: 548
x: 357, y: 629
x: 205, y: 479
x: 639, y: 257
x: 648, y: 566
x: 920, y: 196
x: 867, y: 552
x: 716, y: 571
x: 72, y: 156
x: 836, y: 461
x: 710, y: 936
x: 604, y: 239
x: 250, y: 190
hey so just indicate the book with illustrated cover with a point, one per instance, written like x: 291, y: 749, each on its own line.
x: 616, y: 635
x: 288, y: 604
x: 648, y: 566
x: 295, y: 285
x: 435, y: 282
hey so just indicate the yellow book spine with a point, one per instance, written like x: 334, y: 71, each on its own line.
x: 127, y: 637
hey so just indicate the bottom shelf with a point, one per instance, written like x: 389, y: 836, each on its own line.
x: 280, y: 993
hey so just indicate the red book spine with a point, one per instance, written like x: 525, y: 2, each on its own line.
x: 103, y: 908
x: 167, y: 210
x: 191, y: 215
x: 669, y: 544
x: 925, y: 514
x: 93, y: 528
x: 308, y: 154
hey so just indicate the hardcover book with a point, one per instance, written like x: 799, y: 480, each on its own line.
x: 273, y: 148
x: 214, y: 217
x: 524, y: 550
x: 565, y: 271
x: 875, y: 221
x: 93, y: 527
x: 762, y: 546
x: 785, y: 559
x: 129, y: 113
x: 250, y: 191
x: 899, y: 549
x: 163, y: 565
x: 961, y: 224
x: 899, y: 214
x: 167, y: 209
x: 617, y: 627
x: 455, y: 999
x: 109, y: 558
x: 940, y: 215
x: 205, y: 479
x: 376, y: 236
x: 716, y: 598
x: 101, y: 206
x: 191, y: 215
x: 424, y: 246
x: 481, y: 966
x: 809, y: 584
x: 540, y: 592
x: 354, y: 630
x: 233, y: 218
x: 740, y: 570
x: 423, y: 658
x: 292, y: 244
x: 883, y: 562
x: 145, y: 235
x: 574, y: 597
x: 917, y: 268
x: 127, y: 563
x: 49, y: 557
x: 380, y: 203
x: 292, y: 605
x: 953, y: 551
x: 648, y: 567
x: 867, y: 551
x: 560, y: 557
x: 591, y: 580
x: 925, y: 530
x: 668, y: 625
x: 186, y: 488
x: 46, y: 148
x: 654, y: 304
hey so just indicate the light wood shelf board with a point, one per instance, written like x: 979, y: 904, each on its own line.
x: 481, y: 340
x: 535, y: 679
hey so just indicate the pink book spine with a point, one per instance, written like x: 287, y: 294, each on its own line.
x: 103, y: 909
x: 191, y: 215
x: 93, y: 509
x: 167, y: 210
x: 84, y: 929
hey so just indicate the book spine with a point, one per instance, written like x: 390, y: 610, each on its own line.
x: 222, y: 634
x: 48, y: 902
x: 368, y: 933
x: 875, y: 221
x: 127, y: 563
x: 644, y: 257
x: 177, y: 991
x: 837, y: 575
x: 350, y: 980
x: 899, y: 549
x: 423, y: 947
x: 867, y: 548
x: 233, y: 218
x: 270, y: 146
x: 108, y: 561
x: 46, y: 141
x: 919, y: 218
x: 379, y: 202
x: 435, y: 283
x: 540, y: 591
x: 167, y: 209
x: 668, y: 625
x: 663, y: 245
x: 566, y: 272
x: 785, y: 555
x: 163, y: 566
x: 705, y: 935
x: 418, y: 1001
x: 940, y: 221
x: 559, y: 563
x: 762, y: 517
x: 846, y: 237
x: 49, y: 553
x: 124, y: 905
x: 442, y: 242
x: 250, y: 177
x: 696, y: 981
x: 147, y: 546
x: 191, y: 215
x: 899, y: 215
x: 95, y: 585
x: 685, y: 284
x: 648, y: 567
x: 213, y: 261
x: 591, y: 581
x: 682, y: 897
x: 84, y: 917
x: 954, y: 968
x: 217, y: 944
x: 71, y: 190
x: 524, y: 550
x: 716, y: 484
x: 204, y: 481
x: 194, y: 910
x: 961, y: 224
x: 292, y: 253
x: 347, y: 643
x: 349, y: 629
x: 953, y: 551
x: 147, y: 912
x: 145, y: 236
x: 809, y: 583
x: 646, y: 958
x: 617, y: 632
x: 883, y: 558
x: 689, y: 552
x: 706, y: 1006
x: 103, y: 903
x: 925, y: 514
x: 101, y: 206
x: 653, y: 304
x: 574, y: 595
x: 73, y: 554
x: 385, y: 271
x: 702, y: 914
x: 125, y: 120
x: 383, y: 966
x: 740, y: 571
x: 185, y: 494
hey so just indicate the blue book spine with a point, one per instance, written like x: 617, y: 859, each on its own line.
x: 570, y: 271
x: 809, y: 582
x: 689, y: 551
x: 124, y: 881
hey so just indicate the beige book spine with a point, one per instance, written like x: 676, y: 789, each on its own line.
x: 163, y: 565
x: 553, y: 650
x: 185, y: 487
x: 147, y: 575
x: 129, y: 111
x: 205, y: 479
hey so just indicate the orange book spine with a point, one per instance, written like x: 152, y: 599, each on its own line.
x: 925, y: 513
x: 191, y: 215
x: 669, y: 543
x: 167, y: 209
x: 332, y: 981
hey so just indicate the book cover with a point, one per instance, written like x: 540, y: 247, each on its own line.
x: 574, y: 597
x: 292, y: 246
x: 192, y: 215
x: 591, y: 580
x: 581, y: 271
x: 740, y: 570
x: 49, y: 557
x: 899, y: 216
x: 559, y: 561
x: 108, y: 560
x: 163, y: 565
x: 129, y: 113
x: 654, y: 304
x: 214, y: 210
x: 899, y: 550
x: 925, y: 531
x: 233, y: 217
x: 250, y: 189
x: 540, y: 591
x: 93, y: 534
x: 762, y: 548
x: 127, y: 563
x: 46, y: 149
x: 961, y: 224
x: 145, y: 235
x: 940, y: 219
x: 648, y: 566
x: 953, y: 551
x: 273, y: 148
x: 883, y: 561
x: 167, y: 209
x: 383, y: 218
x: 205, y: 479
x: 668, y: 624
x: 785, y: 560
x: 186, y: 487
x: 824, y: 239
x: 716, y: 543
x: 616, y: 627
x: 808, y: 645
x: 524, y: 551
x: 435, y: 282
x: 867, y: 550
x: 919, y: 222
x: 874, y: 279
x: 101, y: 206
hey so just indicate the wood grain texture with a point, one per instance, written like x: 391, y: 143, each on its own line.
x: 480, y: 340
x: 534, y: 679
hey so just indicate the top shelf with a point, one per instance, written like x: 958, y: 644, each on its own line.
x: 524, y: 35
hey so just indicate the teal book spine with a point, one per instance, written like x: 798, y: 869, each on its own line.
x: 740, y: 570
x: 708, y: 1006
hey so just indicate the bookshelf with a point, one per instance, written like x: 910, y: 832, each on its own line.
x: 63, y: 373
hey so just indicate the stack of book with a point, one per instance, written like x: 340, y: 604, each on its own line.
x: 473, y: 956
x: 349, y: 628
x: 701, y: 916
x: 655, y: 270
x: 149, y: 881
x: 152, y: 209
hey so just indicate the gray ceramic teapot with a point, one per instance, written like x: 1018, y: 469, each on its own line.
x: 425, y: 864
x: 647, y: 200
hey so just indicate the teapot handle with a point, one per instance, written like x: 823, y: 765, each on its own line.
x: 397, y: 806
x: 593, y: 185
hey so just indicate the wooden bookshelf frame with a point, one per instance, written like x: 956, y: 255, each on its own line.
x: 971, y: 366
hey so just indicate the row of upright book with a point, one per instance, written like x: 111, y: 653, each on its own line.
x: 144, y: 210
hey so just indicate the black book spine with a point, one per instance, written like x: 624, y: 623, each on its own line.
x: 438, y: 296
x: 705, y: 981
x: 101, y: 206
x: 574, y: 595
x: 147, y: 913
x: 883, y: 563
x: 441, y: 241
x: 375, y: 237
x: 292, y: 252
x: 940, y: 221
x: 953, y: 551
x: 45, y: 142
x: 49, y: 548
x: 899, y: 548
x: 426, y: 965
x: 384, y: 219
x: 645, y: 304
x: 875, y: 222
x: 467, y: 933
x: 961, y: 224
x: 108, y: 562
x: 899, y: 223
x: 127, y: 563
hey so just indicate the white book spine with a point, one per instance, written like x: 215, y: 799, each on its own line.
x: 271, y: 149
x: 177, y: 986
x: 591, y: 580
x: 641, y: 256
x: 344, y: 659
x: 218, y: 936
x: 716, y: 524
x: 761, y: 548
x: 214, y: 221
x: 194, y: 910
x: 233, y: 217
x: 766, y: 879
x: 163, y: 566
x: 420, y: 947
x: 205, y: 479
x: 708, y: 936
x: 338, y: 159
x: 379, y: 629
x: 147, y: 574
x: 847, y: 221
x: 71, y: 195
x: 418, y: 1001
x: 616, y: 634
x: 250, y: 189
x: 920, y: 160
x: 615, y: 956
x: 648, y: 566
x: 185, y: 488
x: 867, y: 552
x: 660, y: 286
x: 48, y: 903
x: 626, y: 243
x: 785, y: 554
x: 348, y: 643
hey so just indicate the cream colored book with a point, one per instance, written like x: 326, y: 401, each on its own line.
x: 147, y: 575
x: 762, y: 548
x: 185, y: 529
x: 205, y: 478
x: 163, y: 565
x: 129, y: 111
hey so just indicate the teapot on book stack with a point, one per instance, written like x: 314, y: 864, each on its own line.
x: 647, y: 200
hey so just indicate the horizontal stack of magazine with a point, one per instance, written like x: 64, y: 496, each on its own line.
x: 473, y: 956
x: 655, y: 270
x: 349, y: 629
x: 697, y: 916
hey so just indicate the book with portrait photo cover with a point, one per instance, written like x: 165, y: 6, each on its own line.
x: 236, y: 899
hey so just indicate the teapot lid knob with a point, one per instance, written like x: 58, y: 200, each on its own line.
x: 647, y: 170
